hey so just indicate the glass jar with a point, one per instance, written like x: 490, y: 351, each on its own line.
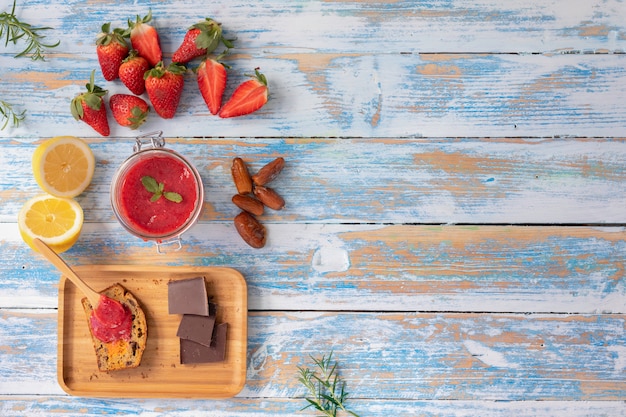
x: 156, y: 194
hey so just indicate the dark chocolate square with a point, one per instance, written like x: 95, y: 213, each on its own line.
x: 188, y: 296
x: 192, y: 352
x: 196, y: 328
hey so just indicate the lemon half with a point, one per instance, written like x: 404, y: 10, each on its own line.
x: 63, y: 166
x: 55, y: 220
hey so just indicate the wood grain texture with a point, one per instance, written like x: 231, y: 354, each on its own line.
x: 373, y: 26
x: 369, y: 95
x: 369, y: 267
x: 443, y: 181
x: 161, y: 373
x: 412, y: 356
x: 455, y: 190
x: 46, y: 406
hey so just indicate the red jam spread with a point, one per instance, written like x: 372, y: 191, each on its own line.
x: 160, y: 217
x: 111, y: 321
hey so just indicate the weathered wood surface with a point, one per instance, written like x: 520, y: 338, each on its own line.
x: 439, y: 181
x: 362, y: 95
x: 491, y: 26
x: 237, y: 407
x: 414, y: 356
x: 384, y: 69
x: 368, y: 267
x: 456, y: 188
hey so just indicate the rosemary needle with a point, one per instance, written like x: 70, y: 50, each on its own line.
x: 7, y: 113
x: 14, y: 30
x: 326, y: 391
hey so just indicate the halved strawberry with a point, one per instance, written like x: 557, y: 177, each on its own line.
x: 200, y: 39
x: 128, y: 110
x: 89, y: 107
x: 131, y: 72
x: 145, y: 39
x: 165, y: 87
x: 250, y: 96
x: 111, y: 48
x: 211, y: 75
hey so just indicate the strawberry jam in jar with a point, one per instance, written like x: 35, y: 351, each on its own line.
x: 156, y: 194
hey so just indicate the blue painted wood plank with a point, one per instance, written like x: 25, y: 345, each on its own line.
x: 410, y: 356
x: 380, y: 26
x: 45, y: 406
x: 549, y: 181
x: 358, y: 95
x: 366, y: 267
x: 489, y: 113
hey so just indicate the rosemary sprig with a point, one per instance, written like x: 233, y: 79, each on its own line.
x: 327, y: 392
x: 14, y: 30
x: 9, y: 115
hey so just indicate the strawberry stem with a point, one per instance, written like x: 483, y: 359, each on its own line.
x: 261, y: 77
x: 159, y: 70
x: 93, y: 98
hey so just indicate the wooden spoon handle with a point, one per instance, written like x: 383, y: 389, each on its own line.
x: 56, y: 260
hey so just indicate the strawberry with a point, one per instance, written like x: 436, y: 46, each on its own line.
x: 200, y: 39
x: 111, y: 48
x: 130, y: 111
x: 132, y: 71
x: 145, y: 39
x: 250, y: 96
x: 165, y: 87
x: 89, y: 107
x: 211, y: 75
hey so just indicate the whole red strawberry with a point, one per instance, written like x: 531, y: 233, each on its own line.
x: 250, y: 96
x: 111, y: 48
x: 211, y: 75
x: 165, y: 87
x: 145, y: 39
x: 200, y: 39
x: 89, y: 107
x: 132, y: 72
x: 130, y: 111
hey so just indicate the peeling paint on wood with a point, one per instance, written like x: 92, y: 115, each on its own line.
x: 399, y: 356
x: 455, y: 187
x: 465, y: 180
x: 367, y: 267
x: 367, y: 95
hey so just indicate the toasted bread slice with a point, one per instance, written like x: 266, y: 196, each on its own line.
x: 120, y: 354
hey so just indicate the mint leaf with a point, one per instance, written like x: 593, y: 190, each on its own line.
x: 175, y: 197
x: 157, y: 190
x: 151, y: 184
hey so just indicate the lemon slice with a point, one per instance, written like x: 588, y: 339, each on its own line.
x: 63, y: 166
x: 57, y: 221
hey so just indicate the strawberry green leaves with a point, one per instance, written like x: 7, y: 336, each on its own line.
x: 89, y: 107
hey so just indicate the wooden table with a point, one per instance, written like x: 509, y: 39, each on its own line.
x: 455, y: 187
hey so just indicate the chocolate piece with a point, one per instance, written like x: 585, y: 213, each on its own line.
x: 192, y: 352
x: 188, y: 296
x: 198, y: 328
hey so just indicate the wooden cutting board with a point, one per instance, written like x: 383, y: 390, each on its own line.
x: 160, y: 374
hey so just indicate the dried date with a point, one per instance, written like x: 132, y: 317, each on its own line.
x: 241, y: 176
x: 249, y: 204
x: 269, y: 197
x: 250, y: 230
x: 269, y: 172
